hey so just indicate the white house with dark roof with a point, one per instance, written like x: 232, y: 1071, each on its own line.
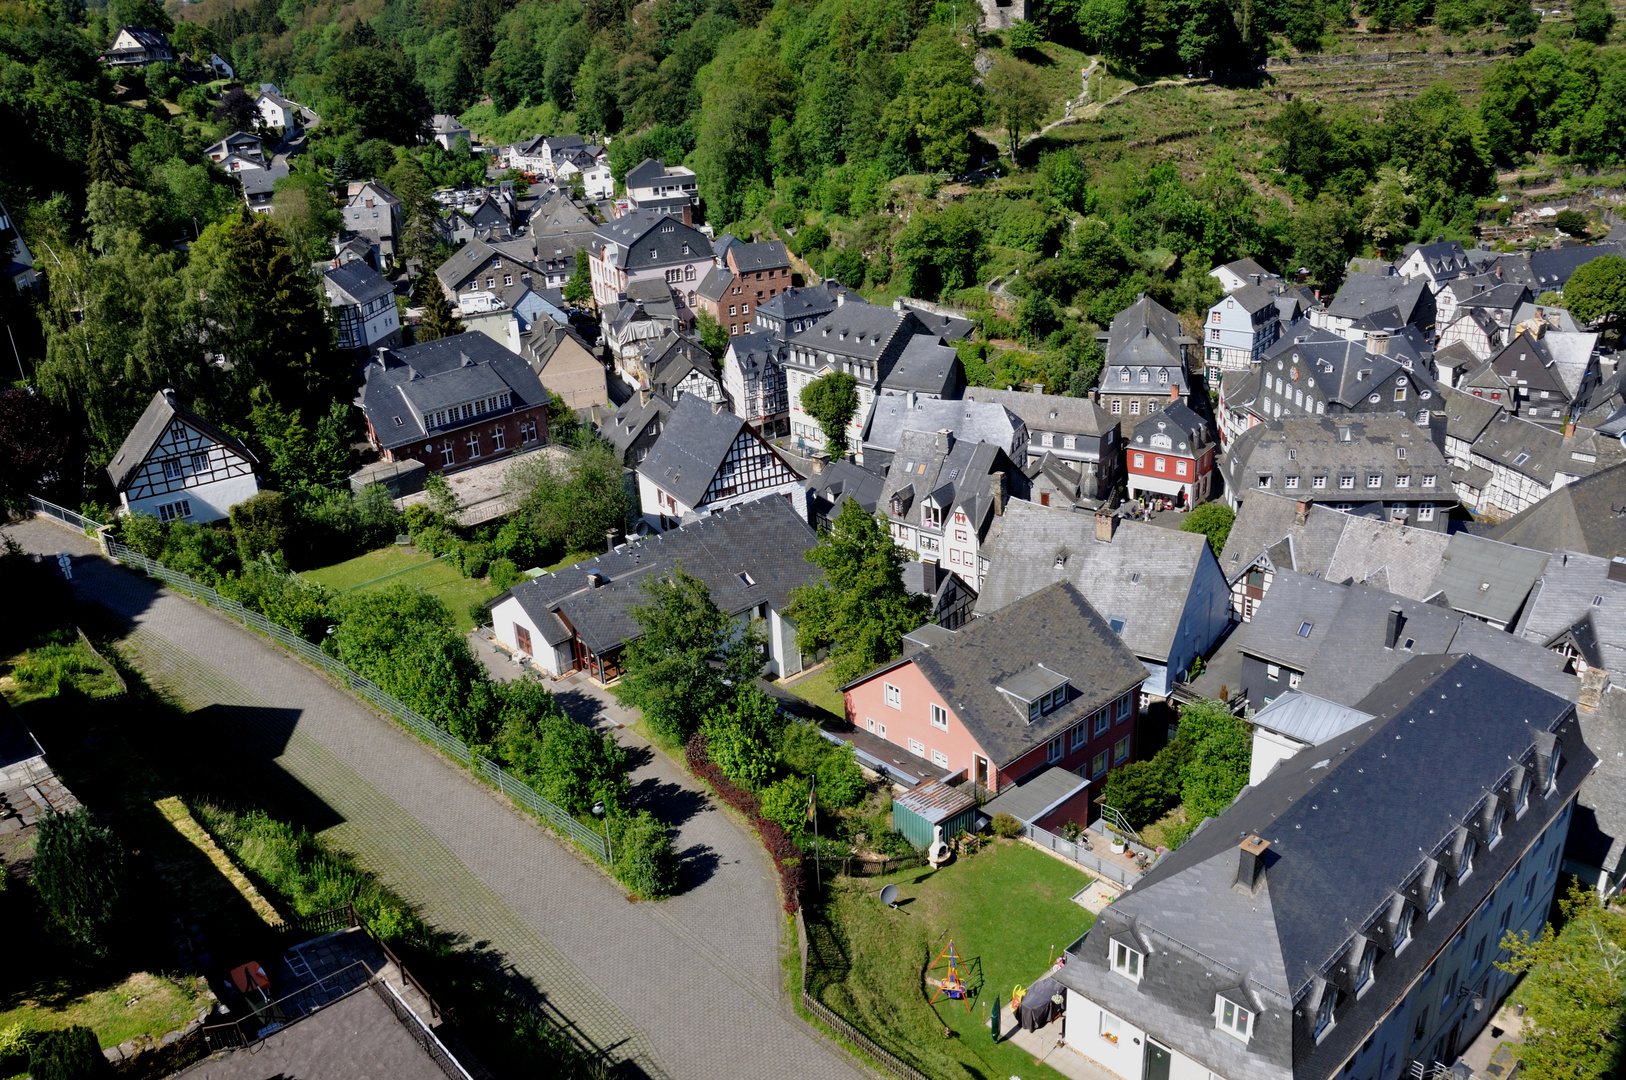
x: 654, y: 186
x: 453, y: 402
x: 860, y: 339
x: 749, y: 556
x: 796, y: 309
x: 1145, y: 360
x: 1383, y: 301
x: 943, y: 495
x: 1434, y: 263
x: 177, y: 466
x: 1239, y: 328
x: 138, y: 46
x: 707, y: 460
x: 363, y: 307
x: 238, y: 151
x: 1281, y: 943
x: 373, y: 211
x: 1242, y: 273
x: 446, y: 130
x: 1077, y: 432
x: 278, y: 112
x: 1160, y: 589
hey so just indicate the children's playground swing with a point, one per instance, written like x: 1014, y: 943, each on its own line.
x: 952, y: 984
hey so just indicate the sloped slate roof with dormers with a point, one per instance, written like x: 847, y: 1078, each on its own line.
x: 763, y: 540
x: 1314, y: 446
x: 1143, y: 577
x: 443, y: 372
x: 1189, y: 431
x: 971, y: 421
x: 150, y: 428
x: 355, y: 283
x: 1049, y: 412
x: 1444, y: 733
x: 1575, y: 589
x: 1144, y: 334
x: 1368, y: 294
x: 808, y: 303
x: 624, y: 426
x: 463, y: 262
x: 857, y: 329
x: 1055, y: 627
x: 926, y: 366
x: 958, y: 477
x: 645, y: 240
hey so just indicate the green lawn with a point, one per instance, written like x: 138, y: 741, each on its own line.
x: 822, y: 690
x: 1008, y: 910
x: 392, y: 565
x: 143, y: 1004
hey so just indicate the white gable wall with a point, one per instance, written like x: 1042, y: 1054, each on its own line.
x: 186, y: 466
x: 555, y: 660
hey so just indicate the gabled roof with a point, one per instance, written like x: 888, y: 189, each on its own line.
x: 672, y: 357
x: 1441, y: 256
x: 1143, y: 577
x: 355, y: 283
x: 631, y: 420
x: 1502, y: 296
x: 463, y: 262
x: 1144, y: 334
x: 947, y: 327
x: 1308, y: 719
x: 1579, y: 590
x: 1252, y: 298
x: 926, y: 366
x: 1588, y: 516
x: 844, y: 479
x: 1049, y: 412
x: 1364, y: 294
x: 644, y: 240
x: 1333, y: 546
x: 691, y: 448
x: 956, y: 478
x: 1466, y: 416
x: 971, y: 421
x: 1055, y: 627
x: 855, y: 328
x: 809, y: 302
x: 149, y: 37
x: 261, y: 181
x: 1246, y: 269
x: 764, y: 255
x: 1488, y: 579
x: 150, y: 428
x: 1542, y: 452
x: 1190, y: 431
x: 439, y: 373
x: 1551, y: 268
x: 763, y: 540
x: 647, y: 173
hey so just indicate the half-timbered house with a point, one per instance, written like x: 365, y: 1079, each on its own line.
x: 706, y: 460
x: 176, y: 465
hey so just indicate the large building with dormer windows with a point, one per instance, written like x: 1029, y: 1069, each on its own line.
x: 1238, y: 330
x: 1039, y: 684
x: 1343, y: 918
x: 177, y: 466
x: 453, y: 402
x: 649, y: 247
x: 706, y: 460
x: 1171, y: 455
x: 1145, y: 365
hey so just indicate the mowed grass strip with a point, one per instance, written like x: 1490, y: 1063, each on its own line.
x: 395, y: 565
x: 143, y: 1004
x: 821, y: 689
x: 1008, y: 910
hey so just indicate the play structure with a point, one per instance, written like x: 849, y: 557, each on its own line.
x: 953, y: 983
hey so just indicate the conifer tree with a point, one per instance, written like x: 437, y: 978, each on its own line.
x: 438, y: 320
x: 102, y: 158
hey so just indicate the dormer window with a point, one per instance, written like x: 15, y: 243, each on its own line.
x: 1522, y: 804
x: 1231, y: 1018
x: 1363, y: 972
x: 1465, y: 865
x: 1403, y: 926
x: 1436, y: 890
x: 1494, y: 832
x: 1324, y: 1019
x: 1552, y: 771
x: 1126, y: 961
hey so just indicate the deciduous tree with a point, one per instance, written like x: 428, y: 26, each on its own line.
x: 1016, y: 98
x: 1213, y: 520
x: 832, y: 400
x: 79, y: 871
x: 1596, y: 292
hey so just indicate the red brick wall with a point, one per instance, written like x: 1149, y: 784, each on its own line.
x: 435, y: 460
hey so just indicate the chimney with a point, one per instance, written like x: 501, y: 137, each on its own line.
x: 1377, y: 341
x: 820, y: 460
x: 909, y: 399
x: 841, y: 298
x: 996, y: 488
x: 644, y: 394
x: 1391, y: 632
x: 1105, y: 525
x: 897, y: 304
x: 1038, y: 388
x: 945, y: 440
x: 1174, y: 392
x: 1091, y: 395
x: 1569, y: 428
x: 1302, y: 514
x: 1250, y: 864
x: 716, y: 408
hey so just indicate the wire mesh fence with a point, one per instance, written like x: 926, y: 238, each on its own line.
x: 64, y: 515
x: 590, y: 840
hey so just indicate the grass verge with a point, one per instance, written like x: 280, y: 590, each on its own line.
x: 395, y: 565
x: 821, y: 689
x: 1008, y: 909
x: 142, y: 1004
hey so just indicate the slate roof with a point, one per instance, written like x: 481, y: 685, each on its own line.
x: 1144, y: 576
x: 763, y: 255
x: 1145, y: 334
x: 1498, y: 296
x: 845, y: 479
x: 1055, y: 627
x: 1348, y: 829
x: 1550, y: 269
x: 439, y: 373
x: 926, y: 366
x: 714, y: 285
x: 1267, y: 523
x: 856, y: 329
x: 763, y: 538
x: 1246, y: 269
x: 261, y: 181
x: 1545, y: 450
x: 463, y: 262
x: 971, y: 421
x: 808, y: 302
x: 627, y: 423
x: 755, y: 351
x: 959, y: 478
x: 947, y: 327
x: 635, y: 235
x: 1049, y: 412
x: 355, y: 283
x: 1192, y: 428
x: 1252, y: 298
x: 1598, y: 833
x: 1456, y: 355
x: 1373, y: 448
x: 1344, y: 370
x: 1466, y: 416
x: 1574, y: 588
x: 1369, y: 294
x: 1441, y: 256
x: 1488, y: 579
x: 150, y: 428
x: 1588, y: 515
x: 646, y: 173
x: 691, y: 448
x: 1344, y: 655
x: 1308, y: 719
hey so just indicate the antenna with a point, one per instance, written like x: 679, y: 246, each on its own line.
x: 889, y: 896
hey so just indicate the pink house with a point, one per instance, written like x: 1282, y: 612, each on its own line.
x: 1043, y: 682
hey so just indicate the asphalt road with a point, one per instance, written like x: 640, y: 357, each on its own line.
x: 685, y: 988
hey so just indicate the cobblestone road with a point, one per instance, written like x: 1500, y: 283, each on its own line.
x: 686, y: 988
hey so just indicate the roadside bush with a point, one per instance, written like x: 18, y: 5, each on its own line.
x: 644, y: 859
x: 784, y: 802
x: 566, y: 763
x: 285, y: 598
x: 740, y: 733
x: 79, y: 872
x: 69, y: 1054
x: 1005, y: 826
x: 16, y: 1043
x: 841, y: 781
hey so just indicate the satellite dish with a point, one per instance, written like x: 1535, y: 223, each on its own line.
x: 889, y: 895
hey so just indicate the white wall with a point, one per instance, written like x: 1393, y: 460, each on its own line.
x: 1269, y: 747
x: 785, y: 656
x: 210, y: 502
x: 506, y: 615
x: 1082, y: 1033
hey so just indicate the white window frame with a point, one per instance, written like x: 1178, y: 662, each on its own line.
x: 1234, y: 1019
x: 1326, y: 1014
x: 894, y: 696
x: 940, y: 759
x: 1128, y: 962
x: 917, y: 748
x: 939, y: 717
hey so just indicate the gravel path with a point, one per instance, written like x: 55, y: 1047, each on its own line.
x: 685, y: 988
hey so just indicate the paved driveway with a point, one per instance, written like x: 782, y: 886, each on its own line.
x: 685, y: 988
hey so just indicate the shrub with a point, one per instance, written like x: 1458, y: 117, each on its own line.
x: 79, y: 870
x: 504, y: 574
x: 284, y: 598
x: 261, y: 525
x: 841, y: 781
x: 644, y: 859
x: 473, y: 558
x: 16, y: 1043
x: 1005, y: 826
x: 1144, y: 791
x: 70, y: 1054
x: 784, y: 802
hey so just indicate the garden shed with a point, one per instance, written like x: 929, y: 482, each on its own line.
x: 917, y: 810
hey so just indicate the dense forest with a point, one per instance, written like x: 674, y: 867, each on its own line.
x: 892, y: 143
